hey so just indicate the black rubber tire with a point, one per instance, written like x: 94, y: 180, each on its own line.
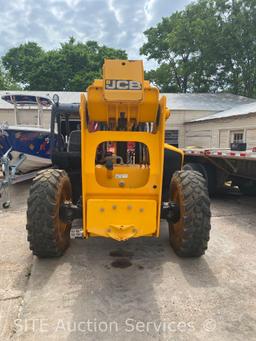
x: 189, y: 236
x: 208, y: 172
x: 48, y: 236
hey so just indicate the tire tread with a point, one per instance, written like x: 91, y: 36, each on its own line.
x: 41, y: 227
x: 196, y: 220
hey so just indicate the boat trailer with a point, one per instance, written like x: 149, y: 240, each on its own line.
x: 10, y: 176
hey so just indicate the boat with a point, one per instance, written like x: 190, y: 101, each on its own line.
x: 31, y: 142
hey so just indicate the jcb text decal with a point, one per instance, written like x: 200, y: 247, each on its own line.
x: 114, y: 84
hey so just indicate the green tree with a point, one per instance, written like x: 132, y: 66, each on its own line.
x: 209, y: 46
x: 238, y: 42
x: 21, y: 61
x: 181, y: 42
x: 72, y: 67
x: 164, y: 78
x: 2, y: 80
x: 6, y: 81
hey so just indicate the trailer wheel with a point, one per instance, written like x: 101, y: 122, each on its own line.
x: 208, y: 172
x: 189, y: 236
x: 48, y: 235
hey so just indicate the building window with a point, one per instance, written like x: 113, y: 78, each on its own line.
x: 238, y: 136
x: 172, y: 137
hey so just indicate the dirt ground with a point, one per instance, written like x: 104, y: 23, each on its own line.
x: 137, y: 290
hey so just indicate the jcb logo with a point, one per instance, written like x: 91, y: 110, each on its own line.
x: 113, y: 84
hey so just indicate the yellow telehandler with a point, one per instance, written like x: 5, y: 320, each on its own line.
x: 113, y: 170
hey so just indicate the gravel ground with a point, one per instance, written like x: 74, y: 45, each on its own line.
x: 137, y: 290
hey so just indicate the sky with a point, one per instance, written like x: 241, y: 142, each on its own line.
x: 115, y: 23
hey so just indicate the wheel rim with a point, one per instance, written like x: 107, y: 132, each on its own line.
x: 62, y: 227
x: 178, y: 226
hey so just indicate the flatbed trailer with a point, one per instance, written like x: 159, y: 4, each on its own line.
x: 219, y: 166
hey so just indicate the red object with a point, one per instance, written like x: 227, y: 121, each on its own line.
x: 131, y: 146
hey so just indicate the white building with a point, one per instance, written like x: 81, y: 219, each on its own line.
x: 219, y: 130
x: 189, y: 107
x: 196, y: 119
